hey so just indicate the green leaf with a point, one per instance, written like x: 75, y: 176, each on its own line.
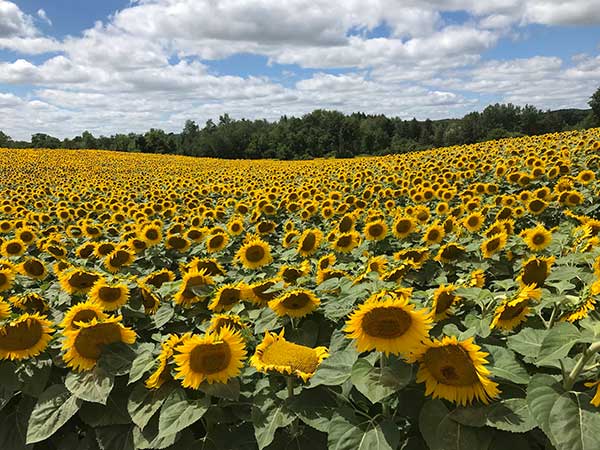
x: 266, y: 321
x: 511, y: 415
x: 116, y: 358
x: 504, y: 364
x: 542, y: 393
x: 347, y: 431
x: 140, y: 365
x: 229, y: 390
x: 92, y: 385
x: 9, y: 383
x: 557, y: 343
x: 527, y: 342
x: 113, y: 413
x: 432, y: 413
x: 268, y: 415
x: 163, y: 315
x: 150, y: 437
x: 377, y: 384
x: 452, y: 435
x: 116, y: 437
x: 143, y: 403
x: 574, y: 423
x: 314, y: 407
x: 53, y: 409
x: 472, y: 416
x: 34, y: 375
x: 178, y: 413
x: 13, y: 426
x: 336, y: 369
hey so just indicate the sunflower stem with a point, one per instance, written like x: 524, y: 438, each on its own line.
x: 290, y: 389
x: 385, y: 408
x: 570, y: 380
x: 552, y: 317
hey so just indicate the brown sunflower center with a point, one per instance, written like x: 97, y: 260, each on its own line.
x: 152, y: 235
x: 403, y: 226
x: 35, y: 268
x: 158, y: 279
x: 309, y: 242
x: 473, y: 221
x: 375, y: 230
x: 386, y: 323
x: 344, y: 241
x: 444, y: 301
x: 538, y: 238
x: 452, y: 252
x: 535, y: 272
x: 229, y: 296
x: 295, y: 300
x: 22, y: 336
x: 178, y: 242
x: 89, y: 341
x: 85, y: 315
x: 14, y: 248
x: 26, y: 236
x: 451, y: 365
x: 109, y: 294
x: 510, y: 312
x: 193, y: 282
x: 433, y: 235
x: 210, y: 358
x: 211, y: 268
x: 493, y: 245
x: 259, y: 291
x: 216, y: 241
x: 3, y: 279
x: 255, y: 253
x: 288, y: 354
x: 105, y: 249
x: 346, y: 224
x: 83, y: 280
x: 119, y: 258
x: 536, y: 205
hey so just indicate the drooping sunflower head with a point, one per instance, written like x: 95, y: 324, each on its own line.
x: 226, y: 297
x: 455, y: 370
x: 536, y: 270
x: 388, y: 323
x: 377, y: 264
x: 214, y: 357
x: 295, y: 303
x: 83, y: 346
x: 196, y: 286
x: 33, y: 268
x: 254, y: 253
x: 275, y: 354
x: 233, y: 321
x: 162, y: 373
x: 417, y: 256
x: 537, y: 238
x: 103, y: 248
x: 30, y: 302
x: 77, y: 281
x: 262, y: 292
x: 109, y: 296
x: 309, y: 242
x: 444, y: 299
x: 118, y: 258
x: 210, y: 265
x: 82, y: 312
x: 25, y: 337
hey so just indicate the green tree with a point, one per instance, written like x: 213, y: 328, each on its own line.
x: 595, y: 103
x: 5, y: 140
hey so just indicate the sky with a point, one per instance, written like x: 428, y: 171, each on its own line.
x: 116, y: 66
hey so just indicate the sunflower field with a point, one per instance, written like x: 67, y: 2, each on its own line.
x: 443, y: 300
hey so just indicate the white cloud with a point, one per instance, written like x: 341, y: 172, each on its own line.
x: 42, y: 15
x: 13, y: 22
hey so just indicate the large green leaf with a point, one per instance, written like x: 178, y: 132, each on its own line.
x: 504, y: 364
x: 542, y: 393
x: 268, y: 415
x: 557, y: 343
x: 574, y: 423
x: 512, y: 414
x: 144, y: 403
x: 9, y: 383
x: 377, y: 384
x: 347, y: 431
x: 452, y: 435
x: 229, y: 390
x: 178, y: 413
x: 314, y: 407
x: 116, y: 358
x: 140, y: 365
x: 92, y: 385
x: 527, y: 342
x: 336, y: 369
x: 53, y: 409
x: 115, y: 437
x: 431, y: 415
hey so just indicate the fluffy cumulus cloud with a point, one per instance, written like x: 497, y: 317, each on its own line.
x: 152, y: 64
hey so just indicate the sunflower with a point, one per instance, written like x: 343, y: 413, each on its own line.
x: 434, y: 234
x: 254, y: 253
x: 226, y: 297
x: 7, y: 276
x: 217, y: 242
x: 377, y: 264
x: 178, y: 243
x: 477, y: 278
x: 455, y: 370
x: 109, y: 296
x: 328, y: 274
x: 214, y: 357
x: 417, y: 255
x: 581, y: 311
x: 31, y: 302
x: 210, y: 265
x: 290, y: 274
x: 235, y: 226
x: 535, y: 271
x: 295, y: 303
x: 85, y: 250
x: 194, y: 281
x: 403, y: 226
x: 262, y: 292
x: 512, y: 312
x: 388, y: 323
x: 536, y: 206
x: 5, y: 309
x: 449, y: 252
x: 83, y: 346
x: 290, y: 238
x: 158, y: 278
x: 443, y: 300
x: 33, y: 268
x: 101, y: 249
x: 537, y: 238
x: 25, y: 337
x: 376, y: 230
x: 151, y: 234
x: 77, y: 281
x: 309, y: 242
x: 162, y: 373
x: 118, y: 258
x: 596, y: 399
x: 493, y: 244
x: 346, y: 242
x: 326, y: 261
x: 275, y: 354
x: 233, y: 321
x: 150, y: 300
x: 82, y: 312
x: 12, y: 248
x: 266, y: 227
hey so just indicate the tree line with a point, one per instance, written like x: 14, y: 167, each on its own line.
x: 324, y: 133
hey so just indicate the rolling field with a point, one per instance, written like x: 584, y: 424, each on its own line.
x: 443, y: 299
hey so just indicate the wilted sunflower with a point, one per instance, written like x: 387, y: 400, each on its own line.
x: 233, y: 321
x: 346, y: 242
x: 536, y: 270
x: 375, y: 230
x: 275, y: 354
x: 493, y: 244
x: 309, y: 242
x: 455, y: 370
x: 83, y: 346
x: 7, y: 276
x: 118, y: 258
x: 537, y: 238
x: 12, y: 248
x: 296, y: 303
x: 82, y: 312
x: 404, y: 226
x: 254, y: 253
x: 25, y: 337
x: 214, y: 357
x: 226, y: 297
x: 443, y: 300
x: 194, y: 288
x: 109, y: 296
x: 216, y: 242
x: 162, y: 372
x: 449, y: 252
x: 261, y: 292
x: 388, y: 323
x: 77, y: 281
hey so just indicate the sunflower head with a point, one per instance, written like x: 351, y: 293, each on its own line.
x: 13, y: 248
x: 290, y: 274
x: 195, y: 287
x: 31, y: 302
x: 537, y: 238
x: 226, y: 297
x: 7, y: 277
x: 118, y: 258
x: 254, y: 253
x: 493, y: 244
x: 261, y: 292
x: 25, y: 337
x: 346, y: 242
x: 233, y: 321
x: 109, y: 296
x: 376, y: 230
x: 295, y: 303
x: 275, y: 354
x: 450, y: 252
x: 77, y: 281
x: 33, y: 268
x: 309, y: 242
x: 444, y: 299
x: 216, y: 242
x: 82, y: 312
x: 162, y: 373
x: 157, y: 278
x: 535, y: 270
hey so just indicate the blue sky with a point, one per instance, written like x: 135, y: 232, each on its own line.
x: 116, y: 66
